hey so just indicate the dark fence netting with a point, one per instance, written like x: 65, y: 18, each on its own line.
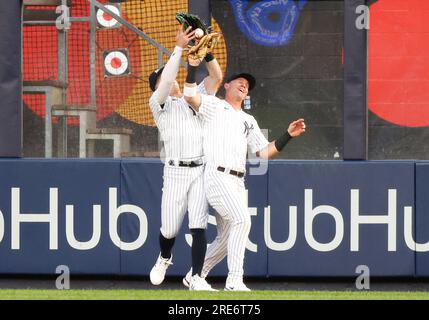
x: 10, y: 79
x: 294, y: 49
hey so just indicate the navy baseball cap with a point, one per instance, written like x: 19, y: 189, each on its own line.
x: 251, y: 79
x: 154, y: 77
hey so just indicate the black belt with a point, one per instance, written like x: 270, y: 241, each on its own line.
x: 190, y: 164
x: 233, y: 172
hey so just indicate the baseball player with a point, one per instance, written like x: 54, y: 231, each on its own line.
x: 228, y: 132
x: 181, y: 131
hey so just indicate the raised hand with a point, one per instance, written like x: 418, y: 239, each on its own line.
x: 184, y: 36
x: 296, y: 128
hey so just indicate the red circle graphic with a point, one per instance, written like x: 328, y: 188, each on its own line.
x: 398, y: 62
x: 116, y: 63
x: 107, y: 17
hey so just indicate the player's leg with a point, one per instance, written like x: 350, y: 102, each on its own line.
x: 217, y: 250
x: 198, y: 218
x: 173, y: 209
x: 225, y: 194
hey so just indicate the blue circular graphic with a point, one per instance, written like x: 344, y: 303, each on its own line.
x: 268, y: 23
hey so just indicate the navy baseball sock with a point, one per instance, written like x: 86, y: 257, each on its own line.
x: 199, y: 247
x: 166, y: 246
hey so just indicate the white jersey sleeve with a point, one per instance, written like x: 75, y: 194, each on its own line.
x: 208, y: 106
x: 158, y: 109
x: 256, y: 139
x: 169, y: 75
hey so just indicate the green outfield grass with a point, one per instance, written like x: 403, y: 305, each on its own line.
x: 187, y: 295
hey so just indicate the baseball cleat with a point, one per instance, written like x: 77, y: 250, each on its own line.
x: 237, y: 285
x: 187, y: 279
x: 199, y: 284
x: 157, y: 274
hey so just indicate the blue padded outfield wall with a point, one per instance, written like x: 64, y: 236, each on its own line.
x: 309, y: 218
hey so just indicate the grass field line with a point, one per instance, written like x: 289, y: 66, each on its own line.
x: 32, y: 294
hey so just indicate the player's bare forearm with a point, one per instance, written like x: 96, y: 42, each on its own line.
x: 269, y: 152
x: 295, y: 129
x: 213, y: 81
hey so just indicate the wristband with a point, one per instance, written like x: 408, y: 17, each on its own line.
x: 281, y: 142
x: 209, y: 57
x: 191, y: 76
x: 190, y: 91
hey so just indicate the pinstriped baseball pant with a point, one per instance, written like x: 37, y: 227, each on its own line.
x: 227, y: 195
x: 218, y: 249
x: 183, y: 190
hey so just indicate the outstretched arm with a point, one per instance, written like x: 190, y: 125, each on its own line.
x: 190, y: 92
x: 295, y: 129
x: 171, y: 68
x: 213, y: 81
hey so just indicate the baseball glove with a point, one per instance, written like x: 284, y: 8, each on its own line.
x: 192, y: 20
x: 204, y: 44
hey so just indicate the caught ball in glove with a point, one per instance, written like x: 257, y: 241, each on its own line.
x: 206, y: 41
x: 205, y: 45
x: 199, y: 33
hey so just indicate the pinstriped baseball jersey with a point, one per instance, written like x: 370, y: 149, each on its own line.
x: 180, y: 127
x: 183, y: 188
x: 228, y: 133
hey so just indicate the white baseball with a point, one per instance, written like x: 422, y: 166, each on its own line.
x: 199, y: 33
